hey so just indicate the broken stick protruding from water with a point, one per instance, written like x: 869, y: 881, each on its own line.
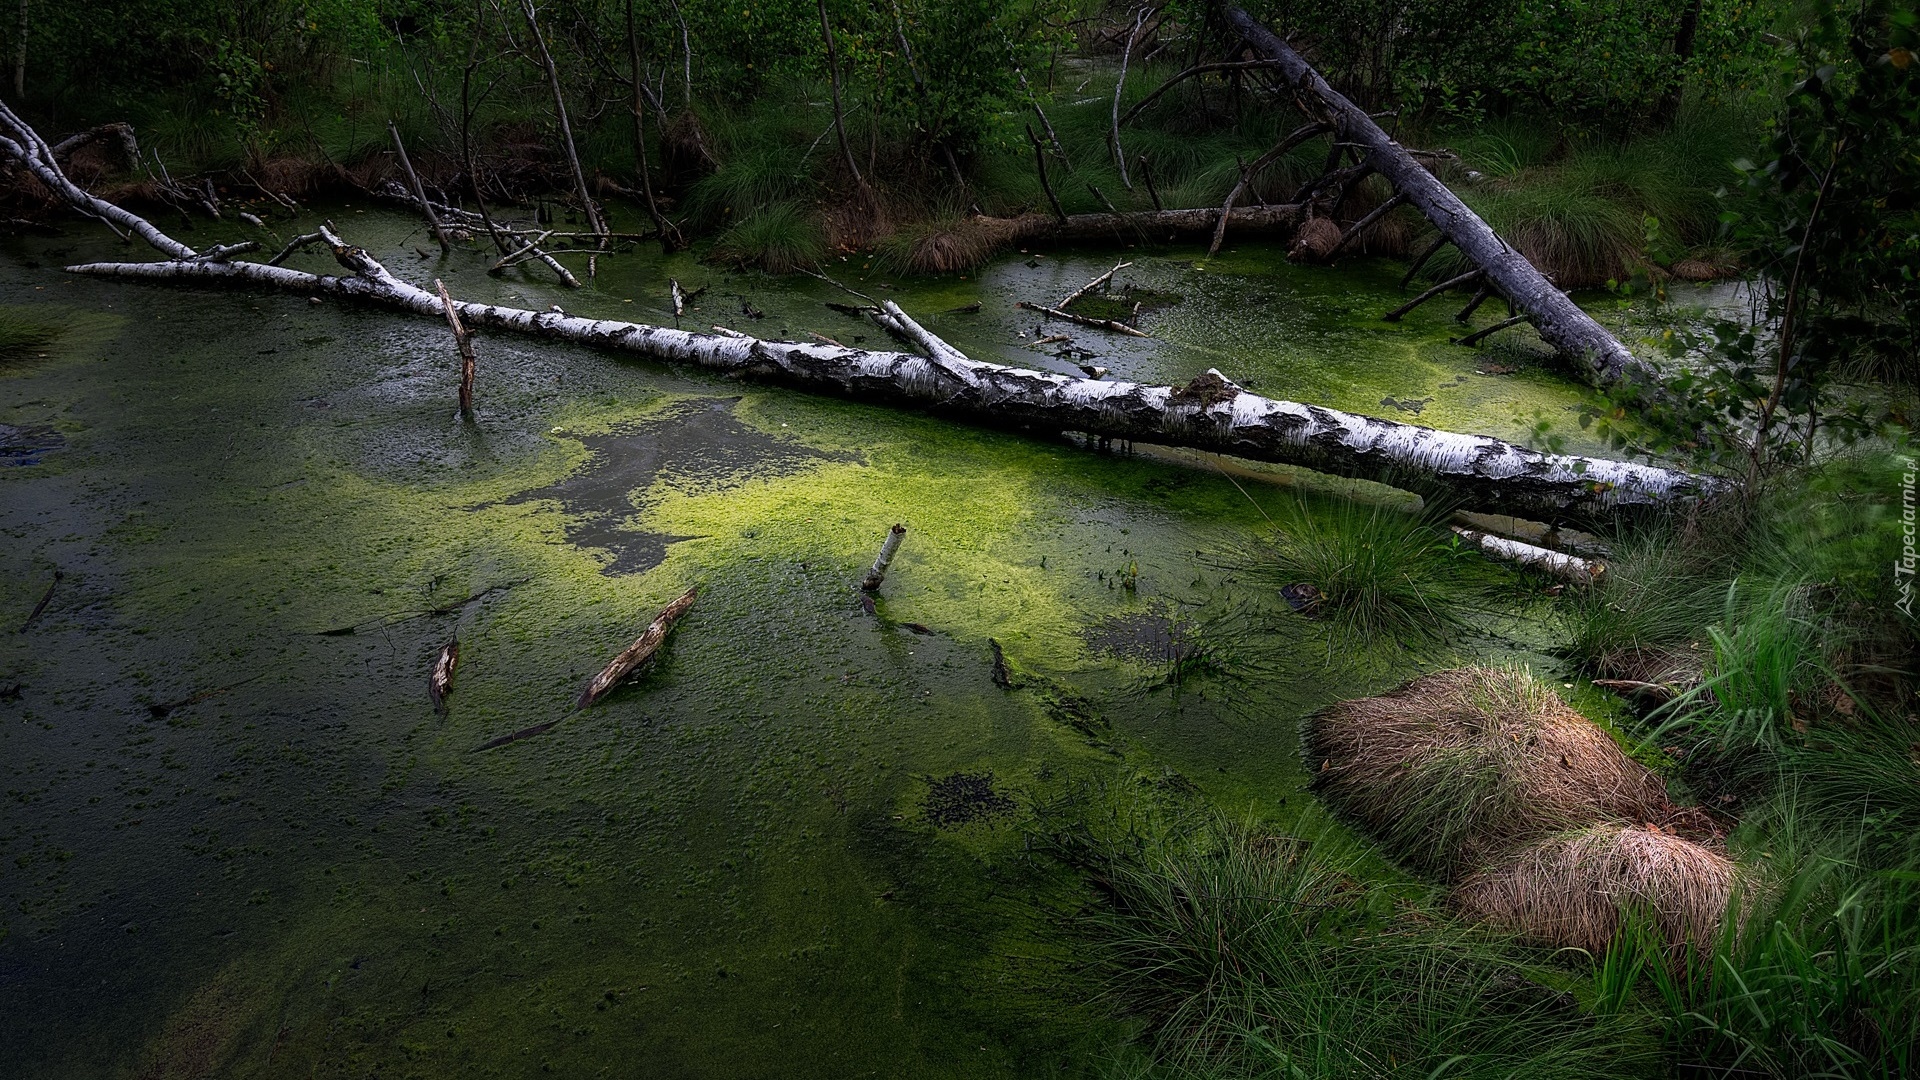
x: 639, y: 652
x: 1091, y: 286
x: 462, y: 339
x: 45, y: 598
x: 877, y: 573
x: 440, y: 683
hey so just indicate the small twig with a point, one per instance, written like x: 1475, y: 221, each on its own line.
x: 523, y: 733
x: 45, y: 598
x: 1479, y: 335
x: 1450, y: 283
x: 1098, y: 324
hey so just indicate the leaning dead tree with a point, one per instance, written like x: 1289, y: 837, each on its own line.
x: 1502, y: 270
x: 1210, y: 413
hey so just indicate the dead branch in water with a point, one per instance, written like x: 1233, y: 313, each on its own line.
x: 1091, y: 285
x: 1451, y: 283
x: 1098, y: 324
x: 877, y: 573
x: 1571, y: 567
x: 440, y: 682
x: 462, y: 340
x: 523, y: 733
x: 621, y: 667
x: 1478, y: 336
x: 45, y: 599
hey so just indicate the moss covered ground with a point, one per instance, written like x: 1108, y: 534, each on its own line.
x: 238, y: 841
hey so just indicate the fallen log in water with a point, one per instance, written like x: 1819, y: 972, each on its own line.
x: 1475, y: 472
x: 621, y: 667
x: 1145, y: 226
x: 1559, y: 320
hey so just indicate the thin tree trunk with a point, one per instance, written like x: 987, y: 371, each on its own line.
x: 20, y: 55
x: 467, y: 109
x: 1558, y: 319
x: 1119, y: 86
x: 839, y: 118
x: 669, y: 235
x: 1683, y: 37
x: 419, y: 190
x: 1788, y: 320
x: 566, y: 128
x: 686, y: 52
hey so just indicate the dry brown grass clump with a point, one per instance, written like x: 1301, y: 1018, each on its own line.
x: 1315, y: 240
x: 1459, y: 765
x: 1574, y: 890
x: 950, y: 245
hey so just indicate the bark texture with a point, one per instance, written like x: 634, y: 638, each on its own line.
x: 1210, y: 413
x: 1559, y: 320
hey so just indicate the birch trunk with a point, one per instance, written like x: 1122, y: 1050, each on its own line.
x: 1210, y: 413
x: 1559, y: 320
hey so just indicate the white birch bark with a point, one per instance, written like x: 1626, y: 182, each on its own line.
x: 1210, y: 413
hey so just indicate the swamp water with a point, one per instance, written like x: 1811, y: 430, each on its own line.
x: 237, y: 840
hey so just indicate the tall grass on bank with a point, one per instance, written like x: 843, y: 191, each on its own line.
x: 1816, y: 972
x: 1588, y: 213
x: 1246, y: 954
x: 779, y: 239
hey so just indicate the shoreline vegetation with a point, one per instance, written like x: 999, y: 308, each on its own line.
x: 933, y: 178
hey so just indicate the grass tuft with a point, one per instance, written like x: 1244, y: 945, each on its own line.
x: 1459, y: 766
x: 1245, y: 953
x: 779, y: 239
x: 1382, y: 575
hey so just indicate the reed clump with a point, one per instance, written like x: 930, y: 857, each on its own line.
x: 1578, y: 889
x: 1451, y: 768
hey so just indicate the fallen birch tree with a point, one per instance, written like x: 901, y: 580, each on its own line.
x: 1210, y: 413
x: 1505, y: 271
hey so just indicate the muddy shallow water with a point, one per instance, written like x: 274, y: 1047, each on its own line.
x: 237, y: 840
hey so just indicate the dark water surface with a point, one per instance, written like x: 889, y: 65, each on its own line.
x: 237, y: 840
